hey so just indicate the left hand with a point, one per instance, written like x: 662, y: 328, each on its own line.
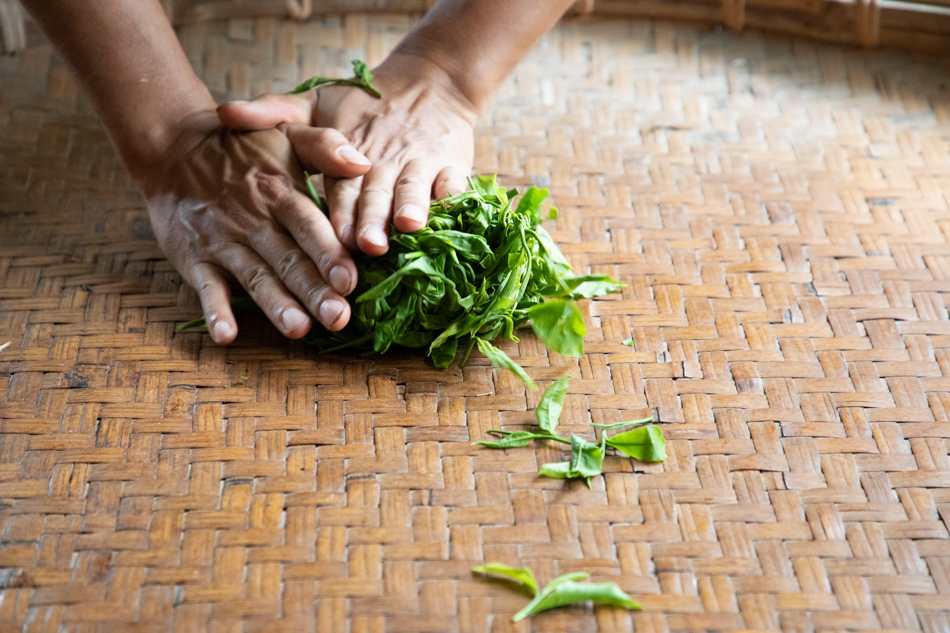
x: 418, y: 137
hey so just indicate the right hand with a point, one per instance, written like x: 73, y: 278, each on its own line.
x: 226, y: 204
x: 418, y: 135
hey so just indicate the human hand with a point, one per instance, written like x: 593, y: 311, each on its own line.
x: 232, y: 204
x: 418, y: 137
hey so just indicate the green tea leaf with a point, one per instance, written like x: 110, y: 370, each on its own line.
x: 318, y: 200
x: 363, y: 79
x: 564, y: 591
x: 522, y: 575
x: 645, y: 443
x: 362, y: 72
x: 556, y: 470
x: 620, y: 425
x: 596, y: 286
x: 515, y: 439
x: 500, y: 359
x: 560, y: 324
x: 587, y: 460
x: 629, y: 342
x: 531, y: 202
x: 552, y: 402
x: 443, y: 355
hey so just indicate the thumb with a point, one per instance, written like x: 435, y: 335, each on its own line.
x: 265, y: 112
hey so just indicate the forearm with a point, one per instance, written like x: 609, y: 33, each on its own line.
x: 125, y: 56
x: 479, y: 42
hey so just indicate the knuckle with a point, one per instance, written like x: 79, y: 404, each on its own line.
x: 205, y: 288
x: 270, y: 187
x: 349, y: 187
x: 294, y: 219
x: 377, y: 190
x: 410, y: 180
x: 256, y: 277
x: 323, y: 136
x: 291, y: 264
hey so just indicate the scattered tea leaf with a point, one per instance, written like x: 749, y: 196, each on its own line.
x: 500, y: 359
x: 548, y: 411
x: 563, y: 590
x: 522, y: 575
x: 570, y: 591
x: 629, y: 342
x: 620, y: 425
x: 645, y: 443
x: 587, y: 460
x: 560, y: 324
x: 556, y: 470
x: 517, y: 439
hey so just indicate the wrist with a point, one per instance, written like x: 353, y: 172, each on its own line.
x: 413, y: 61
x: 143, y: 135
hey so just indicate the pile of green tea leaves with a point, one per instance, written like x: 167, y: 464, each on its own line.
x: 645, y: 442
x: 482, y: 267
x: 563, y: 590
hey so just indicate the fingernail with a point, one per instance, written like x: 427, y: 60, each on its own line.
x: 351, y: 155
x: 293, y: 318
x: 221, y: 330
x: 414, y: 213
x: 238, y: 102
x: 340, y: 279
x: 375, y: 236
x: 330, y: 312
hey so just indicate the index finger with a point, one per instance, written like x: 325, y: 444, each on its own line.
x: 324, y: 150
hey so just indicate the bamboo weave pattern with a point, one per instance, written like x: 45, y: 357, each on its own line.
x: 779, y: 210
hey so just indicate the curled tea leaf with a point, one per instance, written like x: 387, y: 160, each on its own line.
x: 522, y: 575
x: 563, y: 590
x: 517, y: 439
x: 570, y: 591
x: 620, y: 425
x: 500, y: 359
x: 548, y: 411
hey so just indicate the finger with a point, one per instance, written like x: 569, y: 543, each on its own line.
x: 411, y: 197
x: 342, y: 197
x: 312, y: 231
x: 450, y: 181
x: 375, y: 208
x: 266, y: 289
x: 266, y: 111
x: 324, y: 150
x: 215, y: 302
x: 299, y: 275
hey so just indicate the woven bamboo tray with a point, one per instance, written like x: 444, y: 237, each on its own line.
x: 779, y: 209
